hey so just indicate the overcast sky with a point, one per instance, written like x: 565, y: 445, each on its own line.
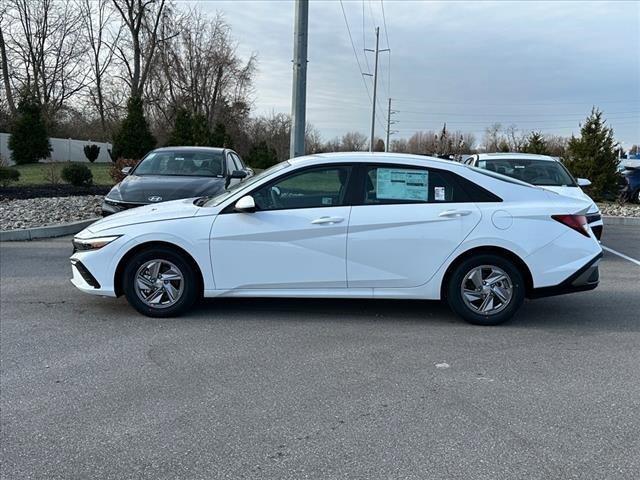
x: 539, y: 65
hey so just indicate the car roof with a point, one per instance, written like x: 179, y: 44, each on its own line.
x: 514, y: 156
x: 364, y: 157
x: 191, y: 149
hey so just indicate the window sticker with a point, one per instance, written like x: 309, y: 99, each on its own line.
x: 438, y: 194
x: 402, y: 184
x: 327, y: 201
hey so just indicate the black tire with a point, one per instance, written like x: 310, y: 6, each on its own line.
x: 458, y: 304
x: 190, y: 285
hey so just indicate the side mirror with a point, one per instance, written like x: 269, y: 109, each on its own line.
x: 246, y: 204
x: 583, y: 182
x: 238, y: 174
x: 126, y: 170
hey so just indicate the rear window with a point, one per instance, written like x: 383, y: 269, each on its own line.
x: 536, y: 172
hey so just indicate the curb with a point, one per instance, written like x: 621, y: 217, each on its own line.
x: 49, y: 231
x: 621, y: 220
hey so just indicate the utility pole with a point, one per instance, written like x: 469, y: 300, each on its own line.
x: 389, y: 123
x: 375, y: 88
x: 299, y: 94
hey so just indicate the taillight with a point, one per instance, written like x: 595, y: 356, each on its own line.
x: 575, y: 222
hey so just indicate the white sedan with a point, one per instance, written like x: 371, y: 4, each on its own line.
x: 350, y: 225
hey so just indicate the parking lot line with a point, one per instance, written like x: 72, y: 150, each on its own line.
x: 615, y: 252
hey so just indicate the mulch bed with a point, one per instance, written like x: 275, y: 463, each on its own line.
x: 46, y: 191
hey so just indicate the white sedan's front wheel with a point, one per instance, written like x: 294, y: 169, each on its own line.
x: 486, y: 289
x: 159, y: 283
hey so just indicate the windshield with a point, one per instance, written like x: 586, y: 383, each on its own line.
x: 547, y: 173
x: 194, y: 163
x: 218, y: 199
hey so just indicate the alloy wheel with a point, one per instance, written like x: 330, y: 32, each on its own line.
x: 159, y: 283
x: 487, y: 289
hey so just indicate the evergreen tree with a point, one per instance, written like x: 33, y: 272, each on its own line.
x: 503, y: 146
x: 593, y: 156
x: 182, y: 129
x: 200, y: 134
x: 535, y: 144
x: 220, y: 138
x: 262, y: 155
x: 379, y: 146
x: 29, y: 141
x: 133, y: 139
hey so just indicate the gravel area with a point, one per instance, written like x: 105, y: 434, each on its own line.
x: 620, y: 210
x: 38, y: 212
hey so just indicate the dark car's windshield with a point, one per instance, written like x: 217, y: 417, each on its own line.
x: 536, y: 172
x: 180, y: 162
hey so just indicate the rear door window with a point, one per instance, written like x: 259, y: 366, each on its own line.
x: 390, y: 184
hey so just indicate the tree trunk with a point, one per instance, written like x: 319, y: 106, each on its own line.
x: 5, y: 75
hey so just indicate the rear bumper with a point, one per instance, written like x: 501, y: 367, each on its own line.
x: 586, y: 278
x: 595, y: 222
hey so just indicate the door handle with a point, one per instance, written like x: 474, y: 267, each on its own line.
x: 455, y: 213
x: 327, y: 220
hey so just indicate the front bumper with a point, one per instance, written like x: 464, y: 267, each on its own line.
x: 586, y: 278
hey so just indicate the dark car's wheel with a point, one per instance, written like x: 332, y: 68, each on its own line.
x: 159, y: 282
x: 486, y: 289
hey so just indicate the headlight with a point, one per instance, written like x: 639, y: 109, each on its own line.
x: 114, y: 194
x: 81, y: 244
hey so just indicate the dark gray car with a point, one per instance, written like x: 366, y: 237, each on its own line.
x: 172, y: 173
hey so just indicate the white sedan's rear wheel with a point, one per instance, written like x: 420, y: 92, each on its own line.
x: 486, y: 289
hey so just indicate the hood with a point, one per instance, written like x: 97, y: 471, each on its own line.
x: 572, y: 192
x: 138, y: 189
x: 148, y: 213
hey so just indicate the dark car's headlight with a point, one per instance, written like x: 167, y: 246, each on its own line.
x: 114, y: 194
x: 83, y: 244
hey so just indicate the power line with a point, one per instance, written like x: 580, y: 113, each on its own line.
x: 346, y: 22
x: 355, y: 54
x: 490, y: 121
x: 552, y: 127
x: 582, y: 114
x: 588, y: 102
x: 384, y: 23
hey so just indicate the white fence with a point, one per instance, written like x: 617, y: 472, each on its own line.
x: 63, y: 149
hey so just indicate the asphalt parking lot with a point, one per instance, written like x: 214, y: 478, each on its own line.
x: 316, y: 389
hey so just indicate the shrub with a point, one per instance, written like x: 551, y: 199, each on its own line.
x: 262, y: 156
x: 77, y: 175
x: 133, y: 139
x: 91, y: 152
x: 29, y: 141
x: 8, y: 175
x: 52, y: 172
x: 115, y: 170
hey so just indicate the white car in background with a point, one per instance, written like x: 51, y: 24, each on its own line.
x: 350, y: 225
x: 542, y: 171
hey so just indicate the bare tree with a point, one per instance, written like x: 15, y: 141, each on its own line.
x: 514, y: 138
x: 142, y: 21
x: 43, y: 41
x: 423, y: 143
x: 493, y: 137
x: 197, y: 68
x: 353, y: 142
x: 102, y: 36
